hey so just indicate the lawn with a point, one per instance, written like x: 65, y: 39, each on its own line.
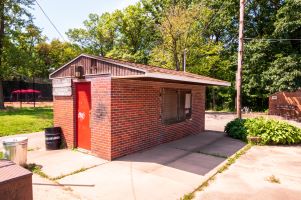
x: 25, y: 120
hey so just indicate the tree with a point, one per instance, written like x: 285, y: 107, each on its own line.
x: 14, y: 16
x: 136, y: 35
x: 180, y: 29
x: 99, y: 34
x: 158, y: 31
x: 52, y: 55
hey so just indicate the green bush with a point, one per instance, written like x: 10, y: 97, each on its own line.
x: 270, y: 131
x: 236, y: 129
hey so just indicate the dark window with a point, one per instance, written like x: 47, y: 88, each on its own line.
x: 93, y: 67
x: 176, y: 105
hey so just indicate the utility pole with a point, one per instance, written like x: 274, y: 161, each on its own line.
x: 240, y: 58
x: 184, y: 60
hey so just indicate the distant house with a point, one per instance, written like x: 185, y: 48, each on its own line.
x: 113, y: 108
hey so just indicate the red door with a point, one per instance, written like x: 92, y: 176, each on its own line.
x: 83, y: 104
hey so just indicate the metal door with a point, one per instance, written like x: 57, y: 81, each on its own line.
x: 83, y: 107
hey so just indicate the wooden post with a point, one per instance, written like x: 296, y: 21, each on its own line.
x: 184, y: 60
x: 240, y: 58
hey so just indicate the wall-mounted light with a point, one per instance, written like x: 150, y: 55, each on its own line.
x: 79, y: 72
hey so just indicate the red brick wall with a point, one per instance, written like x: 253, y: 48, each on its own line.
x: 101, y: 117
x: 125, y: 116
x: 136, y: 123
x: 64, y: 117
x: 285, y: 98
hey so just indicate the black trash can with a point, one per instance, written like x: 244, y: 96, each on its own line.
x: 53, y: 138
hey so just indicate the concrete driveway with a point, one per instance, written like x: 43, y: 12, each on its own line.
x: 168, y: 171
x: 250, y: 176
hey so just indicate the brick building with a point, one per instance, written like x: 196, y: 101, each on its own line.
x: 286, y: 104
x: 113, y: 108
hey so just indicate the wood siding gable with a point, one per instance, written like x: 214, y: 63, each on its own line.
x: 94, y: 66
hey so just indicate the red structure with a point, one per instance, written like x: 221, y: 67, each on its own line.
x: 286, y: 104
x: 113, y: 108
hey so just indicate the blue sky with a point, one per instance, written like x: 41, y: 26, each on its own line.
x: 67, y: 14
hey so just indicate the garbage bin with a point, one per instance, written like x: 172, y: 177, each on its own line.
x: 15, y: 149
x: 53, y: 138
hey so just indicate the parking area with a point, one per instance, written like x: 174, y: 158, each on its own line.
x: 263, y: 173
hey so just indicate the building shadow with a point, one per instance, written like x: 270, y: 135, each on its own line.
x: 197, y: 154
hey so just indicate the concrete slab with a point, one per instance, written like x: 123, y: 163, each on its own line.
x: 62, y: 162
x: 247, y: 177
x: 163, y: 172
x: 118, y: 181
x: 197, y: 163
x: 47, y: 190
x: 149, y: 160
x: 224, y: 146
x: 193, y: 142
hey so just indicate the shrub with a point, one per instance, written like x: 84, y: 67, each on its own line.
x: 236, y: 129
x: 270, y: 131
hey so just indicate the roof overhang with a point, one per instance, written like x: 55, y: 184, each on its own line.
x: 172, y: 77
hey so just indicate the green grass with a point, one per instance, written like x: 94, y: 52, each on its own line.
x: 25, y: 120
x: 1, y: 155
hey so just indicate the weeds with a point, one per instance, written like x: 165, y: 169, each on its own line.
x: 37, y: 169
x: 273, y: 179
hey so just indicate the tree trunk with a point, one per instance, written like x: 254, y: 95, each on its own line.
x: 175, y: 55
x: 1, y: 50
x: 213, y: 100
x: 1, y: 96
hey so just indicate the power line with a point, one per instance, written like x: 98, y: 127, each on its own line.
x: 211, y: 20
x: 57, y: 30
x: 215, y: 15
x: 272, y: 39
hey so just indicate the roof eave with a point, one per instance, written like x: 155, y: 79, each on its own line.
x: 176, y: 78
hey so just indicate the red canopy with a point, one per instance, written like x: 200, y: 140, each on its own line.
x: 25, y: 91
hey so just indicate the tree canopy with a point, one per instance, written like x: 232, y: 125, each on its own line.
x: 157, y: 32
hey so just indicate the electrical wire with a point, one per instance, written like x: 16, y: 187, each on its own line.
x: 275, y: 39
x: 48, y: 18
x: 215, y: 15
x: 211, y: 20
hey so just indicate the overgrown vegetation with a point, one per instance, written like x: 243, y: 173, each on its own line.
x: 25, y: 120
x: 37, y: 169
x: 269, y: 131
